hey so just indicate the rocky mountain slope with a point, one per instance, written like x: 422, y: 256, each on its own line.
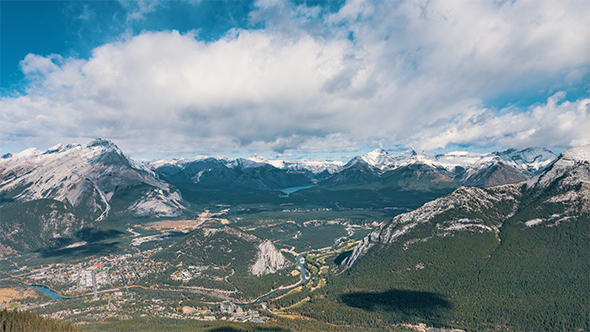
x: 413, y: 171
x: 89, y: 179
x: 230, y: 247
x: 558, y: 194
x: 405, y: 171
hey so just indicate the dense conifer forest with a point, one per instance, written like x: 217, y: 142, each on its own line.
x: 26, y: 321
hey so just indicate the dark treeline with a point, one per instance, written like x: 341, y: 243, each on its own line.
x: 25, y: 321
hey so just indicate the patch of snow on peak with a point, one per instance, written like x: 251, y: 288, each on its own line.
x: 530, y: 159
x: 180, y: 162
x: 378, y: 158
x: 384, y: 160
x: 261, y: 160
x: 244, y: 163
x: 570, y: 168
x: 422, y: 159
x: 59, y: 148
x: 580, y: 153
x: 458, y: 158
x: 162, y: 162
x: 486, y: 160
x: 140, y: 166
x: 315, y: 166
x: 28, y: 153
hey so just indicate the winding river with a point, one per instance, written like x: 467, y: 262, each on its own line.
x: 350, y: 234
x: 301, y: 266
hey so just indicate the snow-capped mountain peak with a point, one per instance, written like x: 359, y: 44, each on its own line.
x: 246, y: 163
x: 457, y: 158
x: 84, y: 177
x: 579, y: 154
x: 422, y: 159
x: 384, y: 160
x: 377, y: 158
x: 531, y: 159
x: 261, y: 160
x: 561, y: 168
x: 315, y: 166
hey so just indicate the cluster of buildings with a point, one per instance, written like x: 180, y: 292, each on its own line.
x: 99, y: 312
x: 115, y: 271
x: 185, y: 313
x: 99, y: 272
x: 192, y: 272
x: 236, y: 313
x: 124, y: 305
x: 189, y: 273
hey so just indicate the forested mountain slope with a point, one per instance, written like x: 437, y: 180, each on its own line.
x: 512, y: 257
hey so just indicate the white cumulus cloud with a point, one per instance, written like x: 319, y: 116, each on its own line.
x: 408, y: 73
x: 556, y: 123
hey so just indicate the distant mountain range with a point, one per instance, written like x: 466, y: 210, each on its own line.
x: 402, y: 170
x: 97, y: 180
x: 239, y: 173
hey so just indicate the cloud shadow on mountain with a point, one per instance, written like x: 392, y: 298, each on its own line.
x: 340, y: 258
x: 95, y: 235
x: 102, y: 248
x: 399, y: 301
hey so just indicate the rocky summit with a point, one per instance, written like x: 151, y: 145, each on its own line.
x: 90, y: 179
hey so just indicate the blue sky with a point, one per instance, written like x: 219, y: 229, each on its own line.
x: 304, y: 79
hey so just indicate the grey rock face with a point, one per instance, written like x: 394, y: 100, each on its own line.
x: 86, y: 178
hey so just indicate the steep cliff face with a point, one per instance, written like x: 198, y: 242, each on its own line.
x: 157, y: 202
x: 268, y: 259
x: 560, y: 193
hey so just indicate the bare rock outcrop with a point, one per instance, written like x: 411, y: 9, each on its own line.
x: 268, y: 259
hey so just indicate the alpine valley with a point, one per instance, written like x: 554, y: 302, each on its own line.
x: 457, y: 241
